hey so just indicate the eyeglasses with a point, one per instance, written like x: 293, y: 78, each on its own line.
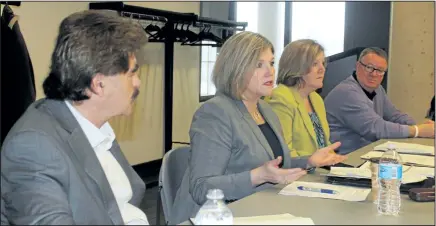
x: 370, y: 69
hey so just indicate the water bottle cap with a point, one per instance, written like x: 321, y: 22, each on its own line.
x: 215, y: 194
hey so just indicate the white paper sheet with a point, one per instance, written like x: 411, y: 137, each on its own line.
x: 423, y: 171
x: 407, y: 148
x: 410, y: 175
x: 350, y: 172
x: 416, y: 160
x: 346, y: 193
x: 279, y: 219
x: 366, y: 165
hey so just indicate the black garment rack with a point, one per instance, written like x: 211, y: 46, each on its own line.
x: 170, y: 18
x: 14, y: 3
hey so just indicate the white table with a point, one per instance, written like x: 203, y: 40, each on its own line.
x: 328, y: 211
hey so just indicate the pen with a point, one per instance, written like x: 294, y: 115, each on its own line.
x: 320, y: 190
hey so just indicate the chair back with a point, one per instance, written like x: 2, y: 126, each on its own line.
x: 4, y: 219
x: 174, y: 165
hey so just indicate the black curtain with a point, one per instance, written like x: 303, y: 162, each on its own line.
x: 16, y: 77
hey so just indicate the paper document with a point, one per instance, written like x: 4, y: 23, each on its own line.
x: 415, y: 160
x: 409, y: 174
x: 350, y: 172
x: 366, y: 165
x: 279, y: 219
x: 423, y: 171
x: 407, y: 148
x: 418, y: 170
x: 328, y: 191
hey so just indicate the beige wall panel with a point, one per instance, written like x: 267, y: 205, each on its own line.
x: 411, y: 60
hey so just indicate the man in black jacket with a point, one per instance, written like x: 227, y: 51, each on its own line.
x: 17, y: 79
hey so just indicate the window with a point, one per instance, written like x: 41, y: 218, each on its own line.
x: 209, y: 54
x: 247, y: 12
x: 208, y: 58
x: 321, y: 21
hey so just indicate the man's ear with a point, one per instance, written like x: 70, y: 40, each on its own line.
x: 97, y: 85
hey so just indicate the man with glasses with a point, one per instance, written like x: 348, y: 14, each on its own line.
x: 359, y: 111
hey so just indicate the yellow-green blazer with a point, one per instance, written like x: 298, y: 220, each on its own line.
x: 298, y: 129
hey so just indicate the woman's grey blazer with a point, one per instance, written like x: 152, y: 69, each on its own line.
x: 226, y: 144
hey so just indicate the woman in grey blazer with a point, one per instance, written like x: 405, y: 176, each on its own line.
x: 236, y: 138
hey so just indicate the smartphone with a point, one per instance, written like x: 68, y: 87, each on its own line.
x: 422, y: 194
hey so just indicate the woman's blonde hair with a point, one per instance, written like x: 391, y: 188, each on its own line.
x: 297, y: 60
x: 236, y: 60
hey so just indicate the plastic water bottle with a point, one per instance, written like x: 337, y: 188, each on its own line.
x: 390, y: 174
x: 214, y: 211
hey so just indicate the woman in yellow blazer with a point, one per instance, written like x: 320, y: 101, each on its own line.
x: 299, y: 108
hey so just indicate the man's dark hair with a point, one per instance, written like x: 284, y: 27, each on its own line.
x: 91, y: 42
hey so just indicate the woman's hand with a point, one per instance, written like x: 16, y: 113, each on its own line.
x: 326, y: 156
x: 270, y: 172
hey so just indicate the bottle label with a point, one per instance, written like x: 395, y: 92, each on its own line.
x: 390, y: 171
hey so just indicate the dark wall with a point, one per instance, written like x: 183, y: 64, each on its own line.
x: 216, y: 10
x: 367, y: 24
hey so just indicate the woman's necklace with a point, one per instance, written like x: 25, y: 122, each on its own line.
x: 257, y: 116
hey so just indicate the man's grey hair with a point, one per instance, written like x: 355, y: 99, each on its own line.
x: 375, y: 50
x: 88, y: 43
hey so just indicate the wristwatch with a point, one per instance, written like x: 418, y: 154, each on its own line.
x: 310, y: 168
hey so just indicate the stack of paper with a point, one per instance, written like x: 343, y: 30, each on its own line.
x: 366, y: 165
x: 415, y: 160
x: 422, y: 171
x: 416, y: 170
x: 350, y: 172
x: 328, y: 191
x: 279, y: 219
x: 407, y: 148
x: 409, y: 174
